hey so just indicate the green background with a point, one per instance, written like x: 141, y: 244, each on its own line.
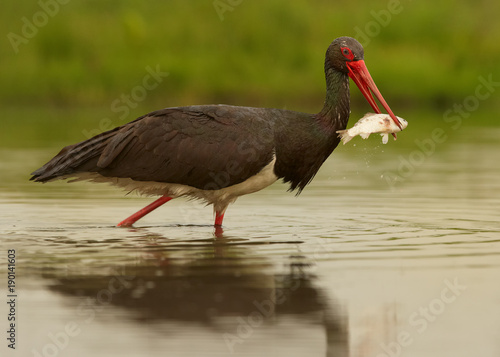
x: 65, y: 78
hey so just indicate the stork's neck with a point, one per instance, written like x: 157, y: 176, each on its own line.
x: 336, y: 110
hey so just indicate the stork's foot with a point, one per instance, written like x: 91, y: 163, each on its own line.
x: 218, y: 232
x: 218, y: 224
x: 126, y: 223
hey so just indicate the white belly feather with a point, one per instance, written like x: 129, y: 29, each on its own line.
x: 219, y: 198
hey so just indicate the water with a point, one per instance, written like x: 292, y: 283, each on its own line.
x: 361, y: 264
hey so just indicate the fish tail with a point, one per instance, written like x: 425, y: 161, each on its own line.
x: 344, y: 136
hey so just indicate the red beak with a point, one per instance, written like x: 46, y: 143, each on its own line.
x: 360, y: 75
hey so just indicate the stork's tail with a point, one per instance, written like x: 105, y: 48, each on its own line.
x: 71, y: 158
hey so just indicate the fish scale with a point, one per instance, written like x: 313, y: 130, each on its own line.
x: 372, y: 123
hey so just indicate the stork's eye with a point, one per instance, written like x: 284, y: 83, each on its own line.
x: 347, y: 53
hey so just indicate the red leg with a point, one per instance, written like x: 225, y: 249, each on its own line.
x: 218, y: 219
x: 144, y: 211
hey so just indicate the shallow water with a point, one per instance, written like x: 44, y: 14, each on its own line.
x: 358, y: 265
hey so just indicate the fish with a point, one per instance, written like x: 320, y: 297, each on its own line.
x: 372, y: 123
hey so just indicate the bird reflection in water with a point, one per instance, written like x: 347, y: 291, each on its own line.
x: 217, y: 283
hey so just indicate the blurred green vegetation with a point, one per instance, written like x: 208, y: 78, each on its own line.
x: 424, y: 56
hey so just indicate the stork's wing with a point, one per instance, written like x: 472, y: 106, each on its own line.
x: 207, y: 147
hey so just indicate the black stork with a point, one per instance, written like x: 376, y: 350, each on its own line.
x: 217, y: 153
